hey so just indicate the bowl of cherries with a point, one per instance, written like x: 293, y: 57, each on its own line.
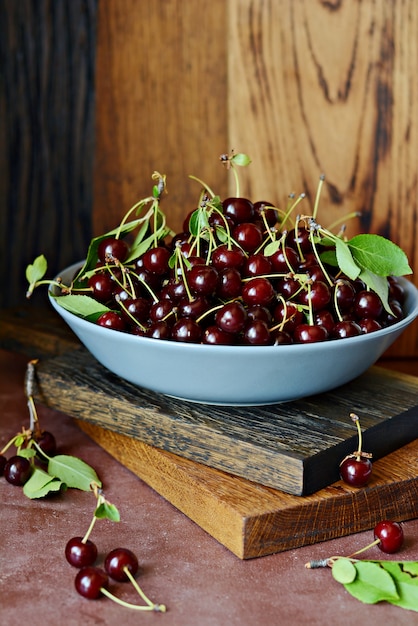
x: 249, y: 304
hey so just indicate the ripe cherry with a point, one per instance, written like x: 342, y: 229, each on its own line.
x: 90, y: 582
x: 102, y: 286
x: 80, y: 553
x: 112, y: 248
x: 238, y: 209
x: 356, y: 468
x: 309, y: 333
x: 389, y: 535
x: 111, y: 319
x: 118, y: 561
x: 46, y: 441
x: 17, y: 470
x: 3, y: 461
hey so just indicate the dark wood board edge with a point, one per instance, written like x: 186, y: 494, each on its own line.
x: 253, y: 521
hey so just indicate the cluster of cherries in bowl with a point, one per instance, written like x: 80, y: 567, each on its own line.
x: 230, y: 292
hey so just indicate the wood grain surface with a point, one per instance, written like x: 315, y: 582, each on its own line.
x: 252, y: 520
x: 295, y: 446
x: 47, y: 52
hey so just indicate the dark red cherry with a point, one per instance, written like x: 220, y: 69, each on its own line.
x: 248, y: 236
x: 46, y: 441
x: 231, y: 317
x: 256, y: 265
x: 308, y: 333
x: 112, y: 248
x: 267, y: 210
x: 90, y: 581
x: 238, y: 209
x: 111, y: 319
x: 192, y: 308
x: 118, y: 560
x: 102, y: 286
x: 186, y: 330
x: 390, y: 536
x: 318, y: 296
x: 17, y: 470
x: 224, y: 257
x: 367, y: 304
x: 157, y: 330
x: 356, y: 470
x: 80, y: 553
x: 284, y: 260
x: 3, y: 461
x: 258, y: 290
x: 229, y: 285
x: 257, y: 333
x: 202, y: 280
x: 345, y: 329
x: 212, y: 335
x: 156, y: 259
x: 369, y: 325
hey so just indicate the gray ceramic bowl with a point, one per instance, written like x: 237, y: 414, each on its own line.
x: 235, y: 375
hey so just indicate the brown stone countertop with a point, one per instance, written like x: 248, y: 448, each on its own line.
x: 199, y: 580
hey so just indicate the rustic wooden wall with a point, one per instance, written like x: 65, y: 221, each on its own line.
x: 161, y: 80
x: 47, y: 50
x: 303, y: 86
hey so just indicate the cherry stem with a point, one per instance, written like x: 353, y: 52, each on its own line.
x: 204, y: 185
x: 135, y: 607
x: 370, y: 545
x: 318, y: 193
x: 356, y: 419
x: 141, y: 593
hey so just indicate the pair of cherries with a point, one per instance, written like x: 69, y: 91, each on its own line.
x: 92, y: 582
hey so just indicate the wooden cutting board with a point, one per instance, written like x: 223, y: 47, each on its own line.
x: 295, y: 447
x: 248, y: 518
x: 252, y: 520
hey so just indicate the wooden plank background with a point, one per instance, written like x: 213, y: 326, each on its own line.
x: 47, y: 51
x: 305, y: 87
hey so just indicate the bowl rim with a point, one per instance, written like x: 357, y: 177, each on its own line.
x: 412, y: 291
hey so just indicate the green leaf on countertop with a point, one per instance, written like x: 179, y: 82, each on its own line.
x: 41, y: 483
x: 73, y: 472
x: 372, y: 584
x: 405, y: 576
x: 344, y: 571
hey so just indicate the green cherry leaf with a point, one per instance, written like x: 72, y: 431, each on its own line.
x: 372, y: 584
x: 345, y: 260
x: 28, y: 453
x: 379, y: 255
x: 105, y: 510
x: 73, y: 472
x: 405, y: 575
x: 344, y: 571
x: 329, y: 257
x: 83, y: 306
x: 411, y: 567
x: 241, y: 159
x: 41, y: 483
x: 37, y: 270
